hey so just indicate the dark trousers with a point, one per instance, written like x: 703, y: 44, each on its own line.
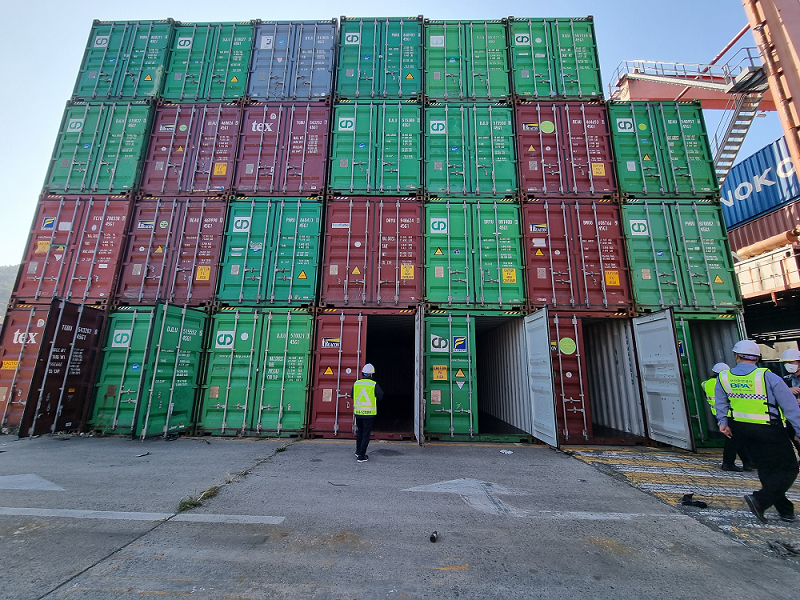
x: 772, y: 452
x: 734, y: 446
x: 364, y: 425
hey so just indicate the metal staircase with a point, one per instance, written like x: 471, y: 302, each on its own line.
x: 744, y: 113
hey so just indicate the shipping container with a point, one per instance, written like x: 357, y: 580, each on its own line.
x: 759, y: 185
x: 293, y: 60
x: 192, y: 149
x: 283, y: 149
x: 473, y: 254
x: 99, y: 148
x: 148, y: 376
x: 564, y: 150
x: 575, y: 257
x: 555, y: 58
x: 345, y: 340
x: 47, y: 357
x: 773, y: 272
x: 779, y: 221
x: 466, y: 60
x: 208, y: 62
x: 469, y: 150
x: 173, y: 252
x: 65, y: 369
x: 257, y: 379
x: 271, y: 254
x: 679, y: 257
x: 662, y: 150
x: 379, y: 58
x: 373, y: 253
x: 376, y: 148
x: 74, y: 249
x: 124, y: 60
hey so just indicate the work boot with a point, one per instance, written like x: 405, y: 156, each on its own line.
x: 748, y: 467
x: 755, y: 508
x: 786, y: 518
x: 731, y: 467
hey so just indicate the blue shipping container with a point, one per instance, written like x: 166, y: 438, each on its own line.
x: 759, y: 185
x: 293, y: 60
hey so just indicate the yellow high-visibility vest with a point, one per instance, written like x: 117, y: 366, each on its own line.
x: 365, y: 403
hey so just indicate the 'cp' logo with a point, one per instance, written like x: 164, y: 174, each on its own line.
x: 522, y: 39
x: 352, y: 38
x: 224, y: 339
x: 639, y: 227
x: 438, y: 126
x: 438, y: 225
x: 241, y: 224
x: 347, y: 124
x: 121, y: 339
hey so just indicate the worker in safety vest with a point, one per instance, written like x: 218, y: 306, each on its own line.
x: 366, y: 394
x: 732, y: 446
x: 758, y: 401
x: 791, y: 362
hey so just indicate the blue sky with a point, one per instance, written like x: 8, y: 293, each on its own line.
x: 42, y: 44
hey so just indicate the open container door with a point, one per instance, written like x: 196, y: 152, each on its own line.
x: 540, y: 378
x: 419, y: 396
x: 661, y: 377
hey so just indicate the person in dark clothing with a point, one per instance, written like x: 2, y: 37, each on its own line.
x: 366, y: 394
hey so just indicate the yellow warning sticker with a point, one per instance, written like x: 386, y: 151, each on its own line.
x: 356, y: 271
x: 148, y: 78
x: 409, y: 76
x: 612, y: 277
x: 718, y: 279
x: 599, y: 169
x: 234, y: 79
x: 159, y: 250
x: 302, y: 275
x: 647, y: 157
x: 460, y: 373
x: 440, y: 372
x: 180, y: 148
x: 328, y: 371
x: 438, y: 252
x: 42, y: 247
x: 220, y: 168
x: 539, y: 252
x: 509, y: 276
x: 10, y: 364
x: 203, y: 273
x: 406, y: 271
x: 531, y: 149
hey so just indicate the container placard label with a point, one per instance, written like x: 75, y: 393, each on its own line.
x: 346, y: 124
x: 267, y: 42
x: 437, y: 127
x: 220, y: 168
x: 331, y: 342
x: 10, y: 364
x: 101, y: 41
x: 184, y: 43
x: 242, y: 224
x: 327, y: 395
x: 509, y: 276
x: 639, y: 227
x: 224, y: 339
x: 213, y: 391
x: 625, y: 125
x: 352, y: 38
x: 567, y: 345
x: 436, y: 396
x: 439, y: 344
x: 438, y: 272
x: 599, y: 169
x: 42, y: 246
x: 437, y: 41
x: 334, y: 270
x: 439, y: 225
x: 340, y: 225
x: 439, y: 372
x: 612, y: 277
x: 459, y: 343
x: 646, y: 274
x: 75, y: 125
x: 406, y: 271
x: 203, y: 273
x: 522, y: 39
x: 121, y: 338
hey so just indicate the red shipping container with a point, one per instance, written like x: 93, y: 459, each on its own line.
x: 74, y: 249
x: 774, y: 223
x: 283, y: 149
x: 373, y: 253
x: 173, y: 252
x: 192, y: 149
x: 345, y: 340
x: 565, y: 150
x: 575, y: 257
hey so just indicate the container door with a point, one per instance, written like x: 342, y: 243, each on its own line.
x: 295, y: 253
x: 150, y: 41
x: 419, y: 376
x: 398, y: 166
x: 540, y: 378
x: 270, y: 75
x: 168, y: 159
x: 258, y: 167
x: 187, y: 64
x: 104, y: 61
x: 586, y: 140
x: 575, y: 53
x: 305, y: 151
x: 314, y: 56
x: 228, y: 62
x: 661, y: 377
x: 493, y: 165
x: 121, y: 148
x: 348, y: 260
x: 448, y: 244
x: 214, y: 152
x: 402, y: 62
x: 74, y: 159
x: 360, y: 58
x: 488, y: 60
x: 446, y: 150
x: 549, y: 247
x: 446, y: 61
x: 541, y: 164
x: 352, y: 149
x: 637, y: 150
x: 398, y: 277
x: 531, y: 58
x: 497, y: 248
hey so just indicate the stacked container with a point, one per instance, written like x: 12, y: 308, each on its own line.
x: 683, y: 282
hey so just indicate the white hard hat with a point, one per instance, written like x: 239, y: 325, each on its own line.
x: 720, y: 367
x: 368, y: 369
x: 790, y: 354
x: 747, y: 348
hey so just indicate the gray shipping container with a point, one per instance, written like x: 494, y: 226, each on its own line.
x: 293, y: 60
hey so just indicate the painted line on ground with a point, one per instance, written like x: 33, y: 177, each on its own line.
x: 28, y: 481
x: 603, y: 516
x: 66, y: 513
x: 687, y: 471
x: 702, y: 490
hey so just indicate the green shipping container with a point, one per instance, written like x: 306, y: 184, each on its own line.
x: 209, y: 62
x: 100, y: 148
x: 271, y: 254
x: 662, y: 150
x: 124, y: 59
x: 473, y: 254
x: 376, y: 148
x: 257, y: 376
x: 703, y: 341
x: 380, y: 58
x: 470, y: 149
x: 555, y: 58
x: 147, y: 384
x: 679, y: 257
x: 466, y: 60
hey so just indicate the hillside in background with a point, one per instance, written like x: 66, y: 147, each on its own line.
x: 8, y: 274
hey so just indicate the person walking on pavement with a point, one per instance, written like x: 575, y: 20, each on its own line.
x: 758, y: 402
x: 366, y: 395
x: 732, y: 446
x: 791, y: 362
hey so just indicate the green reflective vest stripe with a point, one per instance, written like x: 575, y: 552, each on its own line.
x: 364, y: 401
x: 709, y: 387
x: 747, y: 395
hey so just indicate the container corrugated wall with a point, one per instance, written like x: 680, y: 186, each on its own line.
x: 777, y: 222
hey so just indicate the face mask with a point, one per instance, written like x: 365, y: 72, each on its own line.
x: 791, y: 368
